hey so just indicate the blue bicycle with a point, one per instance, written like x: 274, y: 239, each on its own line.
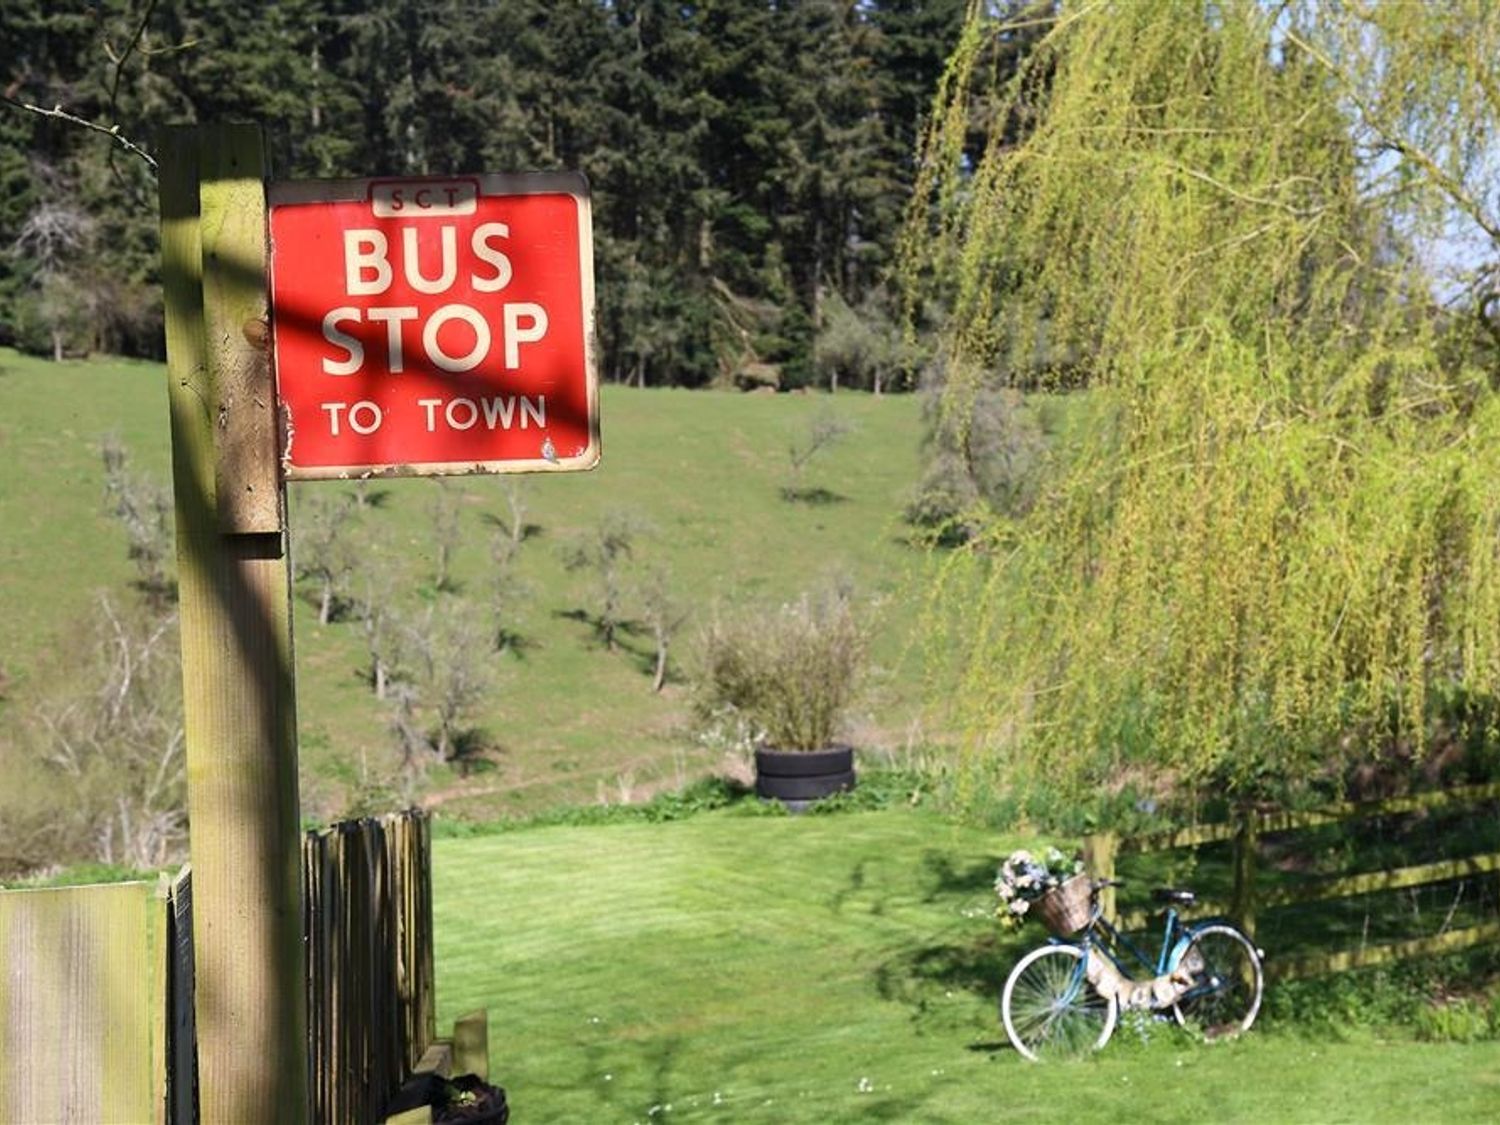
x: 1064, y: 998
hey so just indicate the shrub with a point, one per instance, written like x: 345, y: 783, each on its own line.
x: 992, y: 459
x: 789, y: 673
x: 1464, y: 1020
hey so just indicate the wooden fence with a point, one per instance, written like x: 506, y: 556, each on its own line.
x: 368, y: 903
x: 96, y: 997
x: 181, y: 1029
x: 1251, y: 893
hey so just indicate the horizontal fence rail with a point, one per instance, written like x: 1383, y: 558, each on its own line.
x: 1250, y: 895
x: 1265, y: 823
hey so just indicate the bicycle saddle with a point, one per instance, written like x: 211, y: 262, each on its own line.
x: 1175, y: 895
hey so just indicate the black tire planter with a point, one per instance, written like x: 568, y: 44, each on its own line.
x: 798, y: 778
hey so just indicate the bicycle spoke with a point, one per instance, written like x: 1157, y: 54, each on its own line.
x: 1225, y: 993
x: 1050, y: 1010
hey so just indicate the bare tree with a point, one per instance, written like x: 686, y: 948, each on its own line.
x: 507, y: 590
x: 664, y: 614
x: 447, y: 656
x: 604, y: 550
x: 514, y: 521
x: 382, y: 628
x: 413, y: 748
x: 823, y: 430
x: 325, y: 552
x: 56, y: 236
x: 447, y: 533
x: 144, y: 509
x: 112, y: 734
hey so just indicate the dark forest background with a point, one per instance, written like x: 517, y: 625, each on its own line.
x: 750, y: 160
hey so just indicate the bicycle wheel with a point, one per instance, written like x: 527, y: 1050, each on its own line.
x: 1224, y: 996
x: 1049, y: 1008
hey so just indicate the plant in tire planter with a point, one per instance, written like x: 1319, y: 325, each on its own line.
x: 787, y: 677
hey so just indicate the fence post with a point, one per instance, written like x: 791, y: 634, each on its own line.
x: 1099, y: 851
x: 1242, y: 904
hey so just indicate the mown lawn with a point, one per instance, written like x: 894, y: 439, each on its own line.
x: 834, y: 968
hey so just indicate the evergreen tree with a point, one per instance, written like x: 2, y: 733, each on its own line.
x: 746, y: 158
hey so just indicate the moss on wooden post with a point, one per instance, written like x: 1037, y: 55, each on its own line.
x: 239, y: 710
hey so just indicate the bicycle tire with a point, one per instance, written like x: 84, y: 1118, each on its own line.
x: 1049, y: 1009
x: 1228, y: 981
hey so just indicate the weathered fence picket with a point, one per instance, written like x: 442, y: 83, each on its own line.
x: 368, y: 909
x: 82, y: 1003
x: 182, y: 1026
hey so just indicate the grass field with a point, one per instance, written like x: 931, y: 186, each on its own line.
x: 703, y: 473
x: 836, y: 969
x: 729, y: 966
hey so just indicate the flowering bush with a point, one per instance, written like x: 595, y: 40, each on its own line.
x: 1024, y: 878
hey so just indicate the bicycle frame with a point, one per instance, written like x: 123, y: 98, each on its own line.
x: 1114, y: 940
x: 1174, y: 942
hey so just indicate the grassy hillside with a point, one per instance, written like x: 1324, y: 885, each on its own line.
x: 705, y: 474
x: 836, y: 969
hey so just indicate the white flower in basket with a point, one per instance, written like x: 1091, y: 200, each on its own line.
x: 1025, y: 879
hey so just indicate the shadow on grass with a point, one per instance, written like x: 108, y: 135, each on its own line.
x: 968, y: 960
x: 527, y: 531
x: 475, y: 751
x: 946, y: 878
x: 978, y: 967
x: 627, y: 636
x: 854, y: 885
x: 606, y: 1070
x: 900, y: 1109
x: 814, y: 497
x: 508, y: 642
x: 989, y: 1047
x: 372, y: 498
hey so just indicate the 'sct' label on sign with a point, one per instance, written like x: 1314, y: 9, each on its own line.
x: 431, y: 326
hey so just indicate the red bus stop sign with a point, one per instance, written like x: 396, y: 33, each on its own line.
x: 434, y: 326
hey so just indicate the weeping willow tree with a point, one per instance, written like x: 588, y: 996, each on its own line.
x: 1270, y: 545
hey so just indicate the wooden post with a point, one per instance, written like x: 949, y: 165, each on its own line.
x: 1242, y: 905
x: 1099, y: 851
x: 471, y: 1043
x: 238, y: 697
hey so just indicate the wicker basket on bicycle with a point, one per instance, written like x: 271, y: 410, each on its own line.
x: 1067, y: 908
